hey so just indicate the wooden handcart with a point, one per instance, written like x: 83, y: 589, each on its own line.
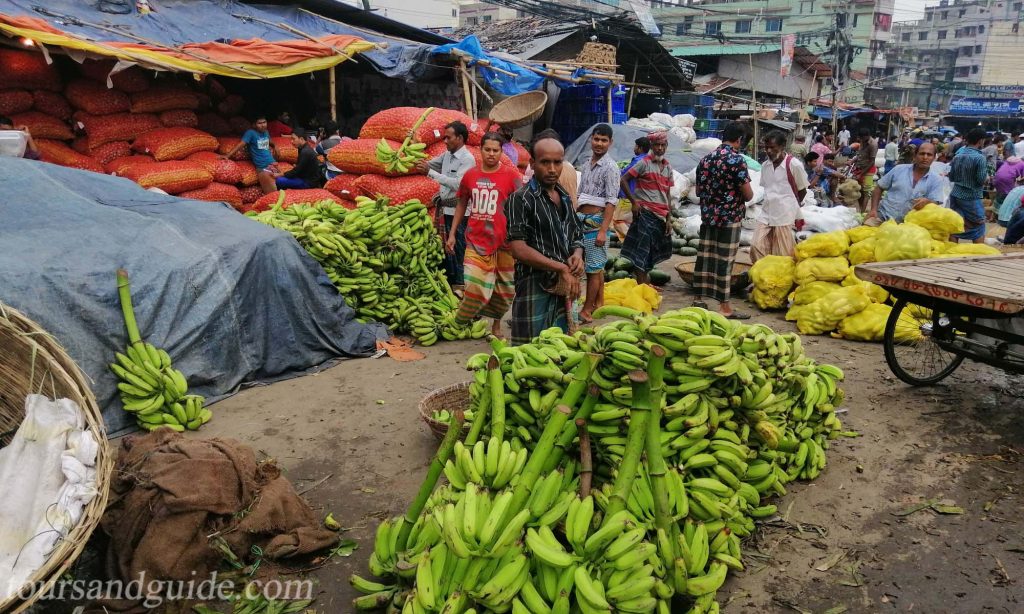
x: 950, y: 309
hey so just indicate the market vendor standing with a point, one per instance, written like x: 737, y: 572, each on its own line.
x: 723, y: 186
x: 785, y: 184
x: 907, y: 186
x: 968, y: 173
x: 306, y: 172
x: 489, y: 266
x: 447, y: 170
x: 546, y: 240
x: 649, y: 240
x: 864, y: 168
x: 598, y: 195
x: 261, y: 153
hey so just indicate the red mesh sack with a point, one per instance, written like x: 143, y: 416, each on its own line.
x: 173, y: 177
x: 343, y: 186
x: 15, y: 101
x: 250, y: 176
x: 348, y: 204
x: 215, y: 88
x: 130, y: 80
x: 251, y: 194
x: 214, y: 124
x: 28, y: 70
x: 51, y: 103
x: 174, y: 143
x: 59, y: 153
x: 160, y: 98
x: 359, y: 157
x: 205, y: 103
x: 232, y: 104
x: 121, y: 127
x: 217, y: 192
x: 239, y: 124
x: 286, y: 152
x: 398, y: 189
x: 179, y: 118
x: 395, y: 123
x: 95, y: 98
x: 43, y: 126
x: 104, y: 153
x: 118, y: 166
x: 224, y: 171
x: 284, y: 167
x: 227, y: 143
x: 293, y: 197
x: 524, y: 156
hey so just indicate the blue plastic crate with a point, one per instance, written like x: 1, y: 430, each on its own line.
x: 618, y: 103
x: 589, y: 106
x: 707, y: 101
x: 587, y: 90
x: 620, y: 118
x: 709, y: 134
x: 705, y: 113
x: 683, y: 110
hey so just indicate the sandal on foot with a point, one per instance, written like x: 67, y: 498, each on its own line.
x: 736, y: 315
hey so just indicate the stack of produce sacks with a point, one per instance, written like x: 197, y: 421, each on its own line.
x: 827, y: 297
x: 151, y: 130
x: 385, y: 260
x: 713, y: 420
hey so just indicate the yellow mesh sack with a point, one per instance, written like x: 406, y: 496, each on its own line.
x: 860, y: 233
x: 868, y: 325
x: 808, y: 293
x: 901, y: 242
x: 822, y: 269
x: 972, y: 249
x: 876, y: 293
x: 823, y: 245
x: 862, y: 251
x: 773, y: 279
x: 823, y: 315
x: 940, y: 222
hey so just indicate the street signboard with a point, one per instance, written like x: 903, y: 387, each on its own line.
x: 689, y: 69
x: 984, y: 106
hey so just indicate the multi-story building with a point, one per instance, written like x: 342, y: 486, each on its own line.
x: 959, y: 48
x: 476, y: 13
x: 866, y: 24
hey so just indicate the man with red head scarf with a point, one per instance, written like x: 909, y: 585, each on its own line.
x: 648, y: 241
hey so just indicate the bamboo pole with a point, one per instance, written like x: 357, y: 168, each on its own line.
x: 609, y: 97
x: 753, y: 101
x: 124, y: 51
x: 632, y: 88
x: 334, y: 93
x: 466, y: 97
x: 462, y: 54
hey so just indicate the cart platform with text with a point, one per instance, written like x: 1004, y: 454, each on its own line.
x: 950, y: 309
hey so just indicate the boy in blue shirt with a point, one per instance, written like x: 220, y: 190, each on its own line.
x: 261, y: 153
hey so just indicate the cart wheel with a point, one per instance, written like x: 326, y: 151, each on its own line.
x: 910, y: 347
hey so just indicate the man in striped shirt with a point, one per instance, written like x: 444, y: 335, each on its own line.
x: 648, y: 241
x: 546, y: 239
x: 968, y: 173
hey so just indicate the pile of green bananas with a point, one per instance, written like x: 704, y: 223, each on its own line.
x: 385, y: 260
x: 151, y: 389
x: 408, y: 154
x: 680, y: 476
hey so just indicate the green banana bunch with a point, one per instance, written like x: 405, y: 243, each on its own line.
x: 408, y: 153
x: 150, y: 388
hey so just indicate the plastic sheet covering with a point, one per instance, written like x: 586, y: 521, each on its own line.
x: 677, y: 154
x: 233, y: 301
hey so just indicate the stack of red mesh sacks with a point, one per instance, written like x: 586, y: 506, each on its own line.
x: 365, y: 175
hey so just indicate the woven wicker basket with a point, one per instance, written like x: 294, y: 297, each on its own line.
x: 31, y: 361
x: 519, y: 110
x: 685, y: 270
x: 451, y: 398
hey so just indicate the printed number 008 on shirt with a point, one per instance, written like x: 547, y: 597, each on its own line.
x: 484, y: 201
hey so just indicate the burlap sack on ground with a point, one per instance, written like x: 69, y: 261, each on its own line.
x: 169, y: 493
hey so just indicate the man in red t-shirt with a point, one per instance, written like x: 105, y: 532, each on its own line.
x: 488, y: 265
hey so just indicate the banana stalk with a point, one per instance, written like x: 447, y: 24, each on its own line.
x: 573, y: 392
x: 656, y: 467
x: 480, y: 411
x: 568, y: 434
x: 538, y: 459
x: 586, y: 459
x: 636, y: 437
x: 125, y: 294
x: 444, y: 452
x: 497, y: 390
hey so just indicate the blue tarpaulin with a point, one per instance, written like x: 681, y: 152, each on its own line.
x: 231, y: 300
x: 525, y: 80
x: 826, y: 112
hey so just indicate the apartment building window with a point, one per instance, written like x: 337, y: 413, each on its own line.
x: 743, y: 27
x: 963, y: 71
x: 905, y: 37
x: 981, y: 29
x: 929, y: 16
x: 472, y: 21
x: 855, y: 16
x: 945, y: 14
x: 974, y: 69
x: 942, y: 35
x: 922, y: 36
x: 773, y: 25
x: 806, y: 6
x: 977, y: 49
x: 963, y: 12
x: 455, y: 12
x: 713, y: 27
x: 682, y: 29
x: 1018, y: 5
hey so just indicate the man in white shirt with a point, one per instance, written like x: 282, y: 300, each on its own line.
x: 844, y: 137
x: 892, y: 154
x: 1018, y: 147
x: 447, y: 170
x: 785, y: 184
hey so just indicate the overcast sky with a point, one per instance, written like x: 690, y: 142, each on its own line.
x: 909, y: 10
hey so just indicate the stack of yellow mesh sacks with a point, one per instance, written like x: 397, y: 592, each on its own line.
x: 628, y: 293
x: 828, y: 298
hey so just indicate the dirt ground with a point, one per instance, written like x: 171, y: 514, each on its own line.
x: 353, y: 437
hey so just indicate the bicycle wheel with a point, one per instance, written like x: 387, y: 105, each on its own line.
x: 910, y: 344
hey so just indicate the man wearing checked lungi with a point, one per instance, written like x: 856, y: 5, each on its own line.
x: 723, y: 186
x: 598, y: 195
x: 648, y: 241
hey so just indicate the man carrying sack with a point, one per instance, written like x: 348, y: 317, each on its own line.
x: 649, y: 241
x: 546, y: 239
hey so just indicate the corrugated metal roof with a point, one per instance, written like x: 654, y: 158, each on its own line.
x: 719, y: 49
